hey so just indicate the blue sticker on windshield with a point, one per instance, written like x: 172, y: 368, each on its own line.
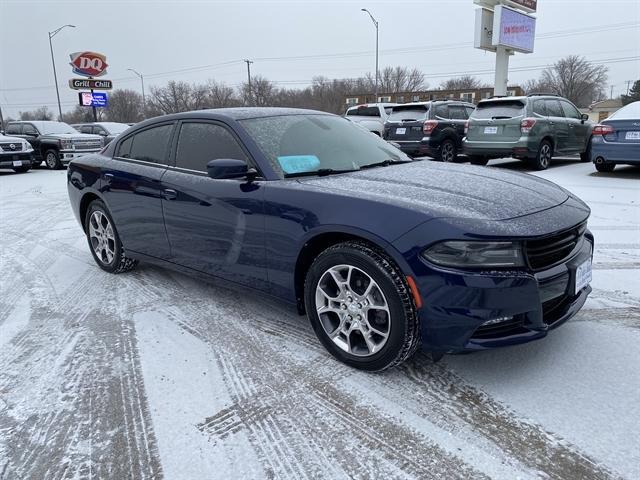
x: 299, y: 163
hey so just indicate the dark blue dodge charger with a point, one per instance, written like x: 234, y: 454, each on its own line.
x: 383, y: 253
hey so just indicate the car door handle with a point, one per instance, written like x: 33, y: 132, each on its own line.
x: 169, y: 194
x: 108, y: 176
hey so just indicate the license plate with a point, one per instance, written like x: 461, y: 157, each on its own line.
x: 17, y: 163
x: 632, y: 136
x: 401, y: 131
x: 491, y: 130
x: 583, y: 276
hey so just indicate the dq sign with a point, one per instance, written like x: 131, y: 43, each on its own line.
x: 89, y: 64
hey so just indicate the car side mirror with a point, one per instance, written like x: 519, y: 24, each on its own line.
x: 584, y: 117
x: 229, y: 168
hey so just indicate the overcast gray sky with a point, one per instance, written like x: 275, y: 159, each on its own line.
x: 167, y: 40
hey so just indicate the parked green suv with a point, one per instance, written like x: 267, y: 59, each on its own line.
x: 532, y: 128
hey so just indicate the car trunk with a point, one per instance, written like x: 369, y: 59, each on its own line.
x: 405, y: 123
x: 496, y: 121
x: 625, y: 131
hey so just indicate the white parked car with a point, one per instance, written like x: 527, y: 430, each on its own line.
x: 15, y: 153
x: 370, y: 115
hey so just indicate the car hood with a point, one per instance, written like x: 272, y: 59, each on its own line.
x: 74, y: 136
x: 5, y: 139
x: 449, y: 190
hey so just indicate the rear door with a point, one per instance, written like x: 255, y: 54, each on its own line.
x: 558, y: 125
x: 405, y: 123
x: 496, y: 121
x: 214, y: 226
x: 578, y: 130
x: 458, y: 116
x: 132, y: 187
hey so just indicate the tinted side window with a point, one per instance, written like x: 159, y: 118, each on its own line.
x: 201, y: 142
x: 469, y: 111
x: 124, y: 149
x: 539, y: 108
x: 570, y: 111
x: 441, y: 111
x: 14, y: 128
x: 85, y: 129
x: 151, y: 145
x: 457, y: 112
x: 28, y: 128
x: 553, y: 108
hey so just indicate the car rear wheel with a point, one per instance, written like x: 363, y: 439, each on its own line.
x: 52, y: 159
x: 104, y: 241
x: 448, y: 151
x: 360, y: 307
x: 605, y: 167
x: 543, y: 158
x: 22, y: 169
x: 475, y: 160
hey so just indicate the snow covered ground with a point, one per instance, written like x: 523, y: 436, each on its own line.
x: 155, y: 374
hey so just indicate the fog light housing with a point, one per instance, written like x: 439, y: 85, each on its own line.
x: 495, y: 321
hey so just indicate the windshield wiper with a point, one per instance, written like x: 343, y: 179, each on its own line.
x: 384, y: 163
x: 320, y: 173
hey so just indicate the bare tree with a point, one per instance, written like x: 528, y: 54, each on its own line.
x: 81, y: 114
x: 125, y: 106
x: 220, y: 95
x: 577, y: 79
x: 175, y: 97
x: 466, y: 82
x: 41, y: 113
x: 261, y: 94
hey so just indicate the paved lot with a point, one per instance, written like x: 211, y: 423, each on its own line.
x: 153, y: 374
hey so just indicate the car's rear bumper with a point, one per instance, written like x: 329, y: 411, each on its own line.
x: 522, y: 148
x: 615, y: 152
x: 16, y: 160
x: 519, y: 306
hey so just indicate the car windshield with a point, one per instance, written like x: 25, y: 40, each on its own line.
x: 497, y: 110
x: 56, y: 127
x: 416, y: 113
x: 299, y: 144
x: 363, y: 112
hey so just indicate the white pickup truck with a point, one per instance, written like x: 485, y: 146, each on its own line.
x: 370, y: 115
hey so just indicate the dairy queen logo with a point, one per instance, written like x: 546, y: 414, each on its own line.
x: 89, y: 64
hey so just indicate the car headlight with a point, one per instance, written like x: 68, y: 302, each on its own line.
x: 461, y: 254
x: 26, y: 146
x: 66, y: 144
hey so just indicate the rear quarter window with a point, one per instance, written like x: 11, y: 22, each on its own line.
x: 497, y: 110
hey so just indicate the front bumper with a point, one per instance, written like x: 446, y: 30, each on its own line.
x: 521, y: 148
x: 67, y: 155
x: 16, y: 160
x: 525, y: 306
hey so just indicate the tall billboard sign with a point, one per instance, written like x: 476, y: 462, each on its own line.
x: 513, y: 30
x: 88, y: 64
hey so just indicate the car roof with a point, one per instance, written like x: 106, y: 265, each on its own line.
x: 37, y: 123
x: 381, y: 104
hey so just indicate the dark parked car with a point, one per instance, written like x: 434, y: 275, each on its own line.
x: 429, y: 128
x: 616, y: 140
x: 532, y: 128
x: 54, y: 142
x: 382, y: 252
x: 107, y: 130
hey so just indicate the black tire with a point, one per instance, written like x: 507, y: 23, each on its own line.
x: 403, y: 331
x: 586, y: 155
x: 448, y: 151
x: 52, y: 160
x: 543, y: 158
x: 120, y: 262
x: 477, y: 160
x: 605, y: 167
x: 22, y: 169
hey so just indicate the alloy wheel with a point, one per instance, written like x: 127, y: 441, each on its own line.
x: 353, y: 310
x: 545, y: 155
x: 101, y: 237
x: 51, y: 160
x: 447, y: 152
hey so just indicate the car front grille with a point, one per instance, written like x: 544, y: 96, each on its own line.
x: 87, y: 144
x: 6, y: 147
x: 549, y: 251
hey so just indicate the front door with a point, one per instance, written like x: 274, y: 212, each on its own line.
x: 578, y: 129
x: 133, y: 190
x: 214, y: 226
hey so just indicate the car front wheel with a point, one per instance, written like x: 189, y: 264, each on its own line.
x: 360, y: 307
x: 104, y: 242
x: 52, y: 159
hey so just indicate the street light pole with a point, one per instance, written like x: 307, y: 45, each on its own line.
x: 53, y: 62
x: 144, y: 101
x: 375, y: 22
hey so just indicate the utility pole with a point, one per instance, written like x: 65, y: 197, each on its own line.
x: 611, y: 96
x: 53, y: 62
x: 628, y: 86
x: 1, y: 121
x: 249, y: 62
x: 144, y: 102
x: 375, y: 22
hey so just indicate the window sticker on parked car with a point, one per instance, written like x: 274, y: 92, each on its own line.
x: 299, y: 163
